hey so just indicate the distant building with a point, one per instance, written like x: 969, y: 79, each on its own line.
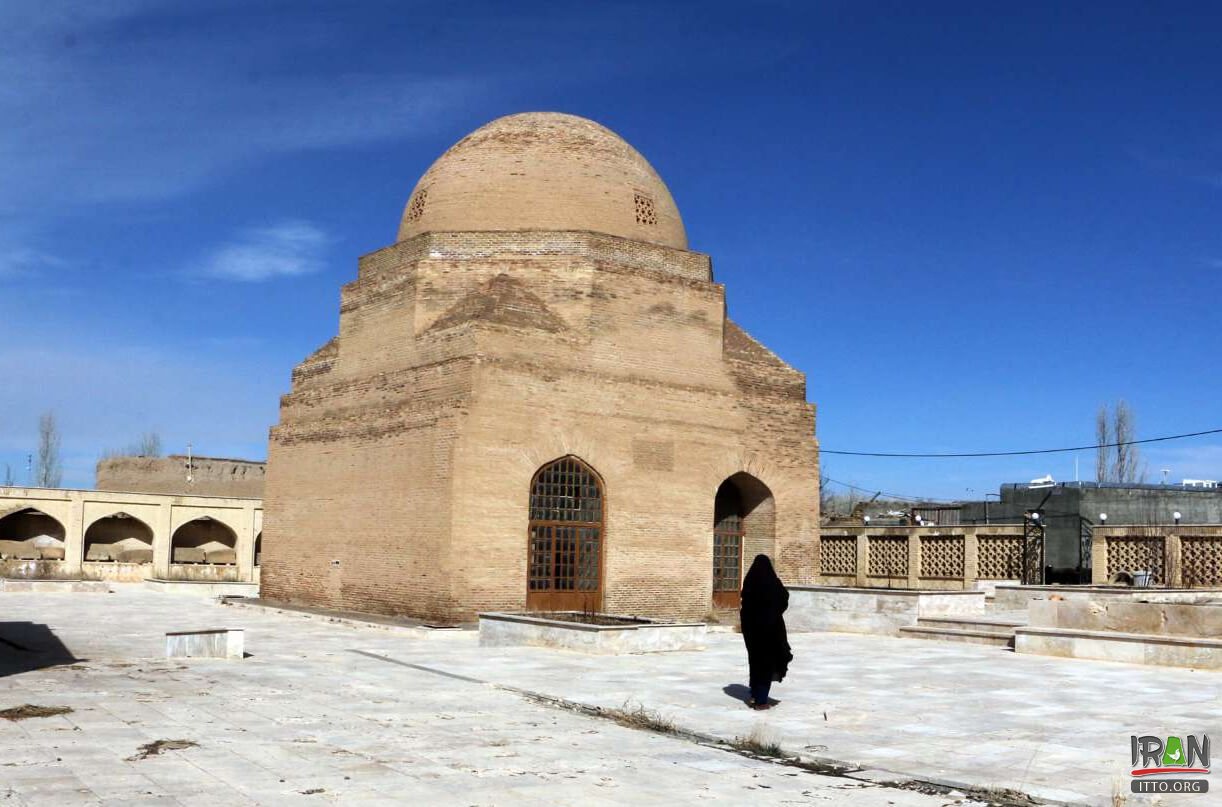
x: 182, y: 475
x: 1070, y: 510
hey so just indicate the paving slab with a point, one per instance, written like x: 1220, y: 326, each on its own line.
x: 367, y: 716
x: 305, y: 720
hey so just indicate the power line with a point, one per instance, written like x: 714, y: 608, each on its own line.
x: 1021, y: 453
x: 899, y: 496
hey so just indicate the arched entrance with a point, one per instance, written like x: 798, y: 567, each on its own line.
x: 744, y: 524
x: 204, y: 540
x: 564, y: 551
x: 31, y: 534
x: 120, y: 538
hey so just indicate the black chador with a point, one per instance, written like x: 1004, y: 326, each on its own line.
x: 764, y: 600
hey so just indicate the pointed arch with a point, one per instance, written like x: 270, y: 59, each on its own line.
x: 744, y: 524
x: 565, y: 537
x: 119, y: 537
x: 31, y: 534
x: 259, y: 548
x: 204, y: 540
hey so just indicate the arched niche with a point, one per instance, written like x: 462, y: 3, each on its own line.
x: 204, y: 540
x: 30, y: 534
x: 119, y: 538
x: 744, y: 524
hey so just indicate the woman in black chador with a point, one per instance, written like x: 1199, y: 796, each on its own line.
x: 764, y: 600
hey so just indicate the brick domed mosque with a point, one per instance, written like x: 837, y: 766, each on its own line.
x: 536, y: 401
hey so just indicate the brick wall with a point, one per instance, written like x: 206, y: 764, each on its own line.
x: 406, y: 449
x: 209, y: 476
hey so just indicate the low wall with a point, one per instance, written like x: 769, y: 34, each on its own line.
x: 1151, y: 618
x: 1177, y: 555
x: 204, y: 572
x: 204, y: 588
x: 1016, y: 598
x: 501, y: 630
x: 872, y: 610
x: 1174, y: 634
x: 1131, y: 648
x: 926, y: 558
x: 55, y: 586
x: 35, y: 570
x: 118, y: 572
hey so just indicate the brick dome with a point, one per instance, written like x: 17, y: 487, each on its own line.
x: 544, y: 171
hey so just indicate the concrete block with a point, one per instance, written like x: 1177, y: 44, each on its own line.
x: 188, y: 554
x: 1203, y: 621
x: 500, y: 630
x: 872, y: 610
x: 204, y: 588
x: 1132, y: 648
x: 214, y: 643
x: 1134, y: 617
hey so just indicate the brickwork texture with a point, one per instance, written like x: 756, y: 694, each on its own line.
x: 399, y: 474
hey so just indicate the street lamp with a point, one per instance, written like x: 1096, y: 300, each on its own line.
x: 1103, y: 517
x: 866, y: 519
x: 1176, y: 515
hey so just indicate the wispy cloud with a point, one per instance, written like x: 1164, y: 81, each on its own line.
x: 134, y: 389
x: 23, y: 262
x: 286, y: 249
x: 1198, y: 166
x: 131, y: 102
x: 1186, y: 462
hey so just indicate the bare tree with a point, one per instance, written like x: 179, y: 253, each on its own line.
x: 1117, y: 459
x: 49, y: 472
x: 1122, y: 427
x: 1103, y: 436
x: 8, y: 476
x: 149, y: 445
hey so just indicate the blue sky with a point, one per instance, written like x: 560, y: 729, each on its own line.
x: 968, y: 223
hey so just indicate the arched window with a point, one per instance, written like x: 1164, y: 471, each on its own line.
x: 743, y: 523
x: 566, y: 536
x: 727, y: 546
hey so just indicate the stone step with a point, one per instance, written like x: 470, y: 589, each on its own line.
x: 1134, y: 648
x: 984, y: 637
x: 985, y: 624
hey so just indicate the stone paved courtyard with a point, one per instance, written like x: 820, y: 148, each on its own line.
x: 331, y: 713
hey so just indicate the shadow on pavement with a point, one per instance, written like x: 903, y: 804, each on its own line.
x: 738, y: 692
x: 28, y: 646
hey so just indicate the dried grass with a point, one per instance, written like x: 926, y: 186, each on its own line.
x: 28, y: 711
x: 760, y: 743
x: 159, y: 746
x: 639, y: 717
